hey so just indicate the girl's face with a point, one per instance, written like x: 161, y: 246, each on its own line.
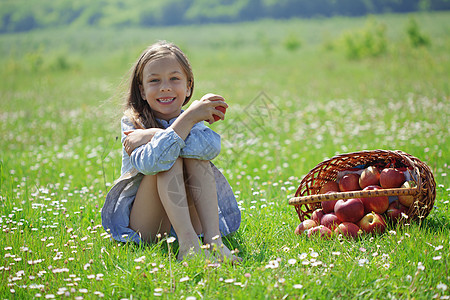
x: 165, y: 87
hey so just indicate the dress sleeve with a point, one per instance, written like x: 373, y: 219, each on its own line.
x: 159, y: 154
x: 201, y: 143
x: 125, y: 125
x: 156, y: 156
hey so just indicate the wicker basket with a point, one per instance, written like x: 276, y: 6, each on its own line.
x: 307, y: 198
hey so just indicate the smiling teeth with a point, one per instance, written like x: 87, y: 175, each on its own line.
x: 166, y: 100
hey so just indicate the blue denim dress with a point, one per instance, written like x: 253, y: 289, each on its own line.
x: 159, y: 155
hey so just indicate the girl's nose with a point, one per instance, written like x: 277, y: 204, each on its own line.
x: 165, y: 86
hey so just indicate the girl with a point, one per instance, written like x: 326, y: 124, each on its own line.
x: 168, y: 184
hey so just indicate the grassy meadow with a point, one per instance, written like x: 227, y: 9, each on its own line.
x: 296, y: 98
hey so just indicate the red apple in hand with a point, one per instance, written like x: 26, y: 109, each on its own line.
x: 317, y: 215
x: 407, y: 200
x: 391, y: 178
x: 330, y: 220
x: 375, y: 204
x: 305, y: 225
x: 219, y: 108
x: 395, y: 210
x: 370, y: 176
x: 372, y: 223
x: 329, y: 186
x: 347, y: 229
x: 320, y: 230
x: 349, y: 210
x: 349, y: 182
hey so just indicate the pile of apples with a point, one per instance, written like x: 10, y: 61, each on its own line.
x: 351, y: 217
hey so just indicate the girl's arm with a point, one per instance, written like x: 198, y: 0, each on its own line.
x: 165, y: 146
x: 200, y: 110
x: 155, y: 156
x: 138, y: 137
x: 201, y: 143
x: 159, y: 154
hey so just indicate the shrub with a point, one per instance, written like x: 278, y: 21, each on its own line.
x: 369, y: 41
x: 291, y: 42
x: 60, y: 62
x: 415, y: 36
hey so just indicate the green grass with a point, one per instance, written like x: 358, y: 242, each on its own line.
x: 60, y: 111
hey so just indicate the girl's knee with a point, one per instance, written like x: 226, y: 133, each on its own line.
x: 200, y: 169
x: 177, y: 167
x: 196, y: 163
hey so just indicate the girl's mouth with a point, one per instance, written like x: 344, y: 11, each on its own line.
x: 165, y: 100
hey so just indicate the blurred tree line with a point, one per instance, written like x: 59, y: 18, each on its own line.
x: 24, y: 15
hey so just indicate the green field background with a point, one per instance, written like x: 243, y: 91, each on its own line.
x: 296, y: 98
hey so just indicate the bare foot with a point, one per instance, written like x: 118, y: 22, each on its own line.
x: 192, y: 249
x: 224, y: 254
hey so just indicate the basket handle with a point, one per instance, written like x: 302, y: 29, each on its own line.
x: 354, y: 194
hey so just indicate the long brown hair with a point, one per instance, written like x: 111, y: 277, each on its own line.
x: 137, y: 109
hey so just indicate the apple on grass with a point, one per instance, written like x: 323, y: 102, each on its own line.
x: 349, y: 210
x: 376, y: 204
x: 369, y: 176
x: 321, y: 230
x: 391, y: 178
x: 407, y: 200
x: 330, y: 220
x: 317, y: 215
x: 396, y: 211
x: 372, y: 223
x: 349, y: 182
x: 305, y: 225
x: 347, y: 229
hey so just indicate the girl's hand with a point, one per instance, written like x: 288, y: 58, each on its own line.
x: 199, y: 110
x: 205, y: 108
x: 138, y: 137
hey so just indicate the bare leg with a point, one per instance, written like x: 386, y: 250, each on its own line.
x: 172, y: 192
x: 148, y: 217
x: 160, y: 202
x: 201, y: 186
x: 163, y: 200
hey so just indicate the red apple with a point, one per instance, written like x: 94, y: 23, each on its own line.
x: 375, y: 204
x: 320, y: 230
x: 349, y: 182
x: 305, y: 225
x: 407, y: 200
x: 219, y: 108
x: 349, y: 210
x: 370, y: 176
x: 317, y: 215
x: 372, y: 223
x: 347, y: 229
x: 329, y: 186
x: 395, y: 210
x: 330, y: 220
x: 328, y: 206
x: 391, y: 178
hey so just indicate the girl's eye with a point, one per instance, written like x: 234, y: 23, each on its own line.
x: 174, y: 78
x: 154, y: 80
